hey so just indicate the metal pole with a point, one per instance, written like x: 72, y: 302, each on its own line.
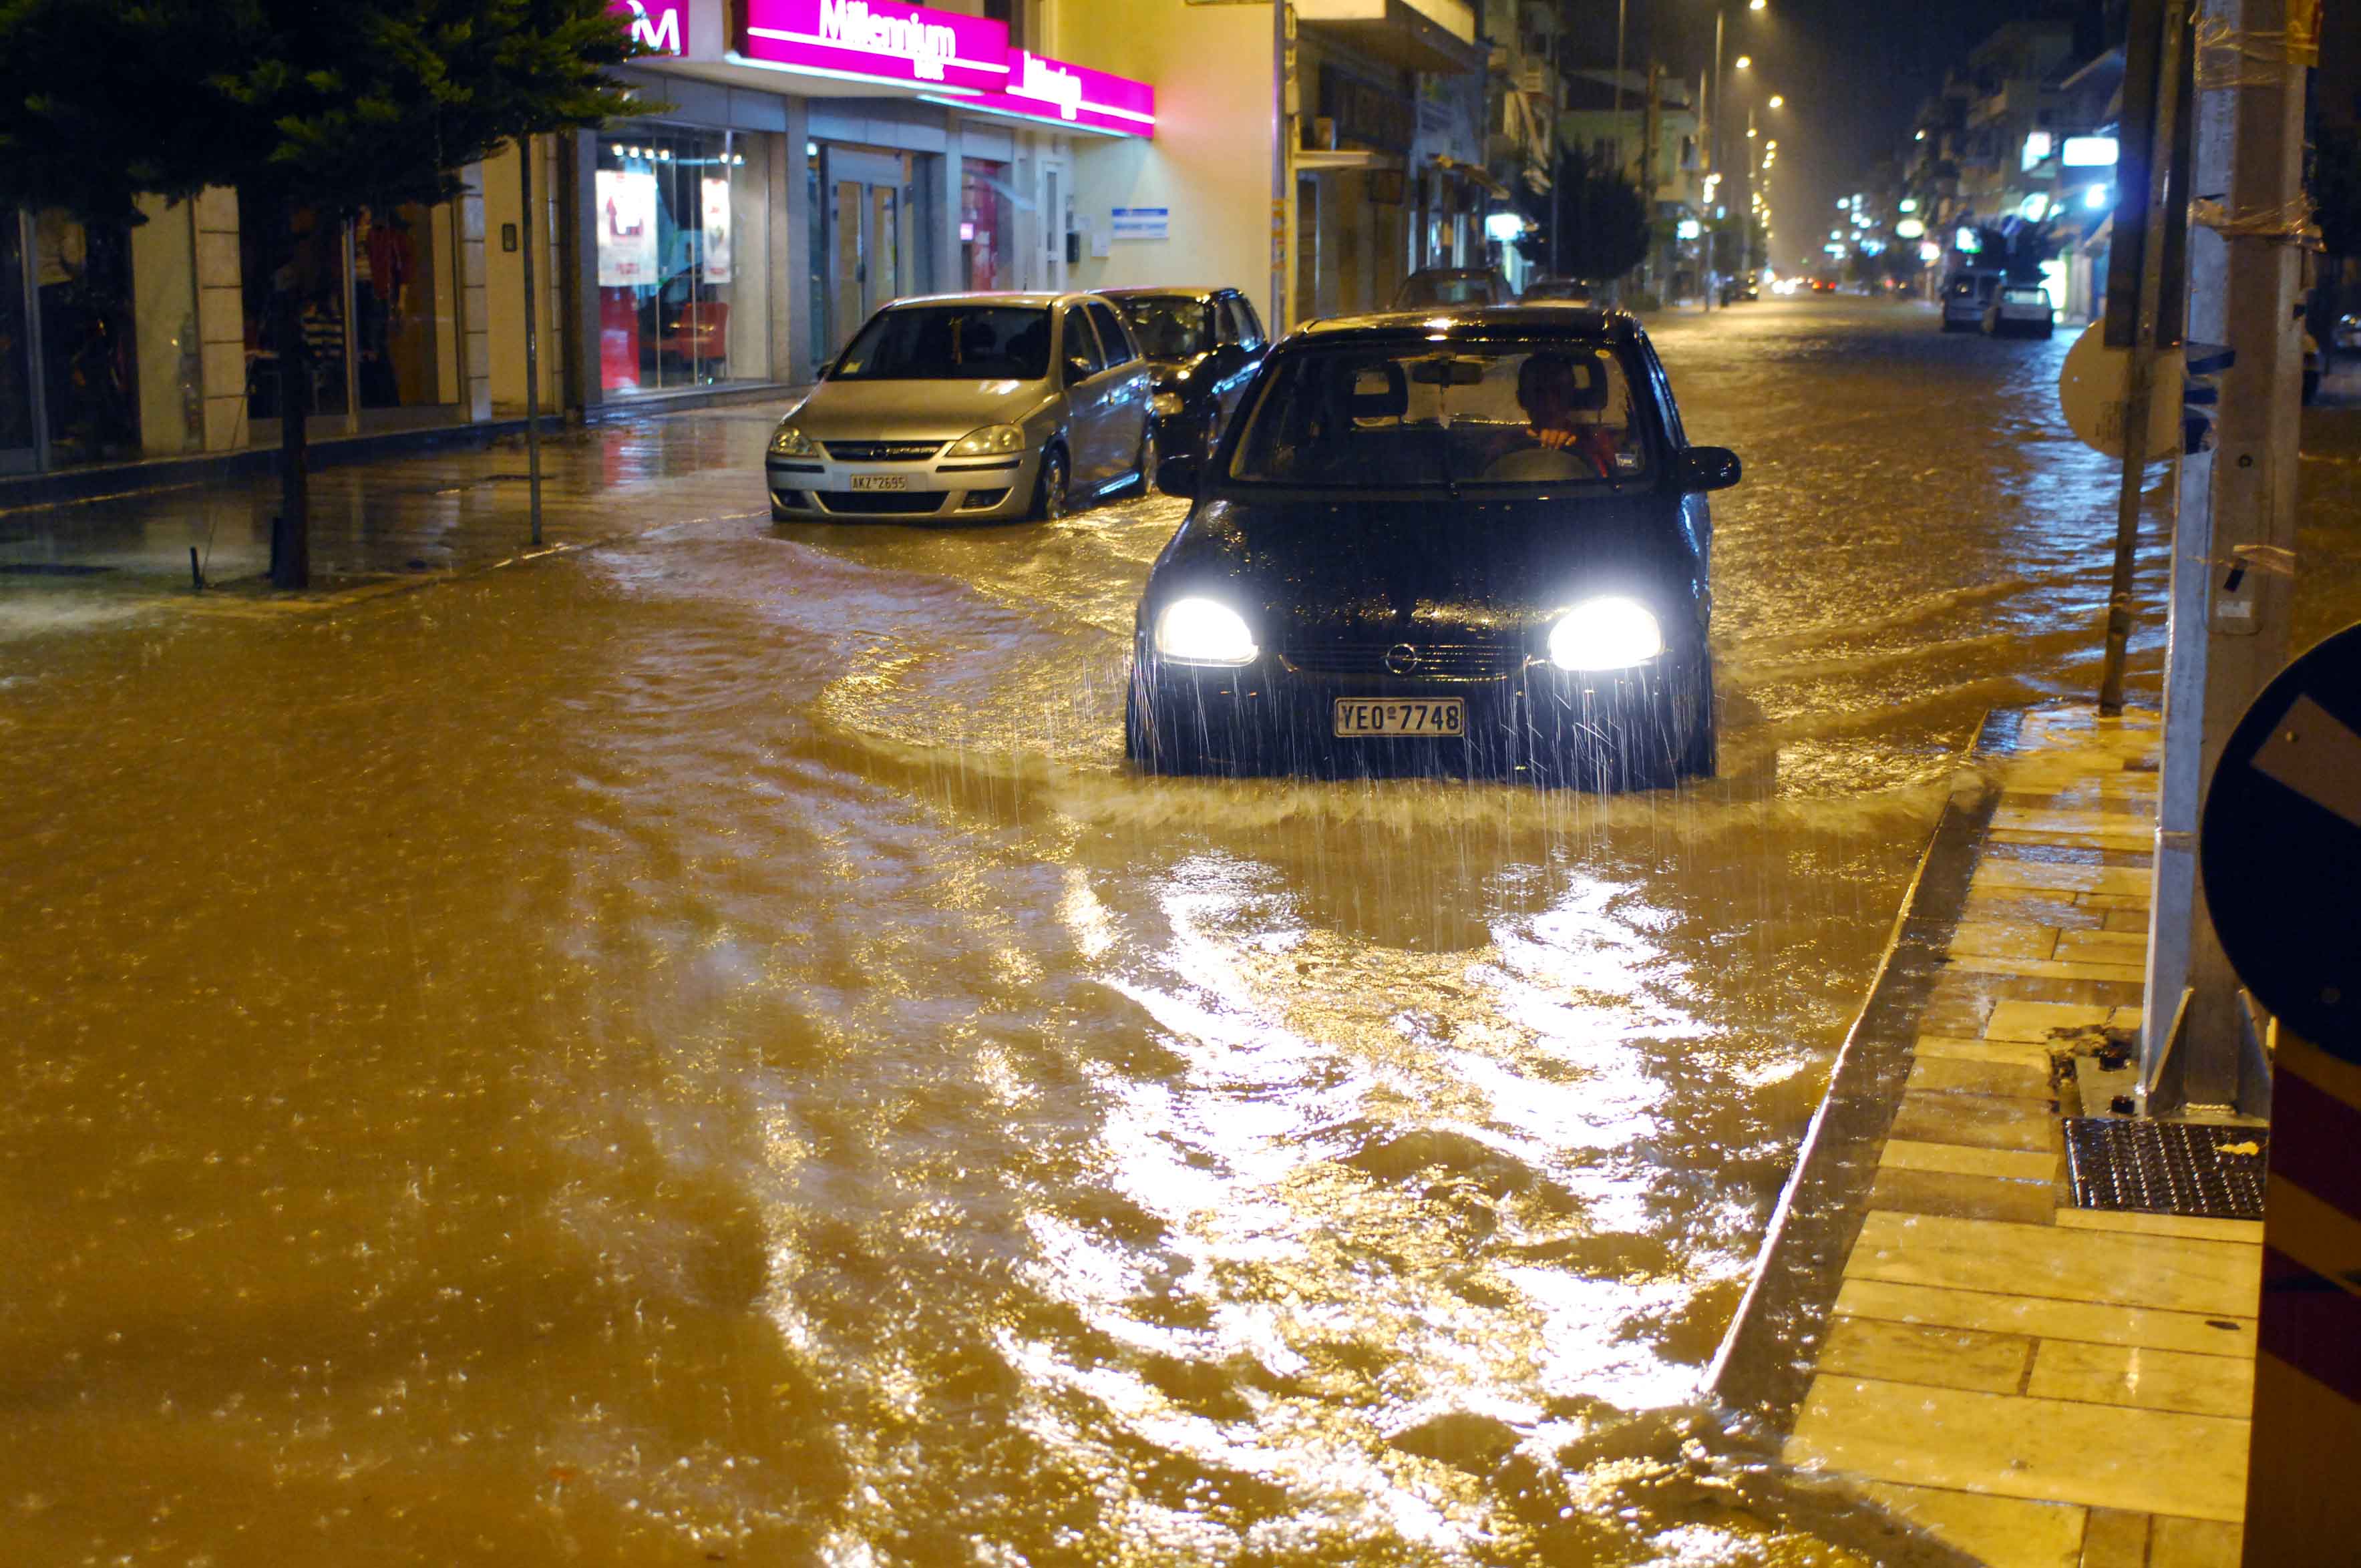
x: 1621, y: 5
x: 2139, y: 382
x: 1557, y: 162
x: 1713, y: 157
x: 2234, y: 546
x: 1279, y: 71
x: 531, y: 338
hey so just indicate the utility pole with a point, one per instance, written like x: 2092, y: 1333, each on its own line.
x: 1282, y: 126
x: 1557, y: 161
x: 531, y: 337
x: 1713, y: 158
x: 1620, y: 7
x: 2234, y: 547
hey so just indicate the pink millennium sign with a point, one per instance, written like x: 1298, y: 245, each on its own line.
x: 879, y: 38
x: 660, y: 24
x: 1043, y: 89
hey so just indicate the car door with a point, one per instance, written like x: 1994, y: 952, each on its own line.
x: 1083, y: 365
x: 1697, y: 514
x: 1130, y: 391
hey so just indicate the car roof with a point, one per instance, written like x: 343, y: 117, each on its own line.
x: 1456, y: 272
x: 1456, y: 324
x: 1175, y: 291
x: 994, y: 297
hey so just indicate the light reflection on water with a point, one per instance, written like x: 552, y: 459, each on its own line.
x: 704, y: 1047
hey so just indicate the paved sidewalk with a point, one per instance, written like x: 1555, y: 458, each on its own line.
x: 2032, y: 1383
x: 381, y: 522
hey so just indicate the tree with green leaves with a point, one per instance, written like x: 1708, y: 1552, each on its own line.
x: 311, y: 110
x: 1607, y: 231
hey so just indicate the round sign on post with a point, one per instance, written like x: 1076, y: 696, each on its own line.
x: 2279, y: 846
x: 2090, y: 389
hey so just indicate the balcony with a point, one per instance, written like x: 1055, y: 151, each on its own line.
x: 1434, y: 36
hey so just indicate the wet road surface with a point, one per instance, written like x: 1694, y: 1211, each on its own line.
x: 701, y: 1047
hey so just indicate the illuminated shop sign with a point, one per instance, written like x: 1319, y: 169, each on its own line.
x: 659, y: 26
x: 965, y: 61
x: 1044, y: 89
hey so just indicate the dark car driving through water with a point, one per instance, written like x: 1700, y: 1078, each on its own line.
x: 1473, y: 544
x: 1202, y: 346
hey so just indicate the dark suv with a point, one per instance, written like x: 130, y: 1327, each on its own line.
x: 1202, y: 346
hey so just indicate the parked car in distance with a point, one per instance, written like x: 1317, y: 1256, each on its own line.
x: 2020, y: 310
x: 2344, y: 337
x: 969, y: 408
x: 1477, y: 547
x: 1432, y: 286
x: 1744, y: 290
x: 1556, y: 291
x: 1202, y: 347
x: 1965, y: 295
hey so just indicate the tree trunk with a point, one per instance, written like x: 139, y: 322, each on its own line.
x: 290, y: 530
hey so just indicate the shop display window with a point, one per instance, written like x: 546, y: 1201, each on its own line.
x: 986, y: 233
x: 683, y: 238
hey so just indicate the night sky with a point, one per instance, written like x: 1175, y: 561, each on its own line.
x: 1854, y: 72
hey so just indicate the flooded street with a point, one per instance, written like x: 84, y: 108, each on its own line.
x: 701, y: 1050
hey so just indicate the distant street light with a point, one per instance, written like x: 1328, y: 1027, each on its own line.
x: 1744, y: 62
x: 1778, y: 102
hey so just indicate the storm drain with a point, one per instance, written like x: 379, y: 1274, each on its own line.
x: 2192, y: 1168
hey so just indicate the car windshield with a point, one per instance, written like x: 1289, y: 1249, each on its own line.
x: 950, y: 343
x: 1962, y: 288
x: 1446, y: 288
x: 1402, y: 417
x: 1171, y: 328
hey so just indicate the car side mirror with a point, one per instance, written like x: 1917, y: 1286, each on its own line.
x: 1708, y: 468
x: 1177, y: 475
x: 1078, y: 369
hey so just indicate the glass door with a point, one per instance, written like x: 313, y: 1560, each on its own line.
x: 869, y: 248
x: 19, y: 453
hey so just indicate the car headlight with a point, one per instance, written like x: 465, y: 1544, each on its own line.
x: 1198, y: 631
x: 1166, y: 404
x: 1605, y: 634
x: 992, y: 441
x: 789, y: 441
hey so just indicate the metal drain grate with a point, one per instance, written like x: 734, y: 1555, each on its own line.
x: 2165, y: 1168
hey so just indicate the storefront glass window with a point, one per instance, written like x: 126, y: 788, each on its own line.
x: 986, y: 233
x: 89, y: 360
x: 684, y: 242
x: 15, y: 352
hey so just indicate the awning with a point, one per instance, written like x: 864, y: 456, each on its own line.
x: 1393, y: 31
x: 1474, y: 173
x: 1329, y: 160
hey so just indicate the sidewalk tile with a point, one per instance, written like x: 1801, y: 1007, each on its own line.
x: 2045, y: 968
x: 1964, y: 1159
x: 2003, y: 1079
x: 1976, y: 1048
x: 2149, y: 1379
x: 2048, y: 1318
x: 2102, y: 881
x: 1907, y: 1353
x: 2012, y: 1446
x: 2191, y: 1225
x: 2208, y: 1278
x: 1966, y: 1197
x: 1996, y: 939
x: 2114, y: 1538
x: 2033, y: 1021
x: 2103, y: 947
x: 1985, y: 1123
x: 2000, y: 1532
x: 2178, y: 1542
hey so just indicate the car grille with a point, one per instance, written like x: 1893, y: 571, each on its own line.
x: 1435, y: 661
x: 881, y: 451
x: 882, y: 503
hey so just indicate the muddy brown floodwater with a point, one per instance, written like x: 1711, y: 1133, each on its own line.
x: 700, y: 1051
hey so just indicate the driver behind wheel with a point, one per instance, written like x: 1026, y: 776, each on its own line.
x: 1553, y: 390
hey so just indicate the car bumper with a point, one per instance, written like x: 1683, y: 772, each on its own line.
x: 1609, y: 728
x: 948, y: 489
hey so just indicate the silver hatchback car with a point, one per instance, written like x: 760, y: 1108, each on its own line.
x: 973, y: 408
